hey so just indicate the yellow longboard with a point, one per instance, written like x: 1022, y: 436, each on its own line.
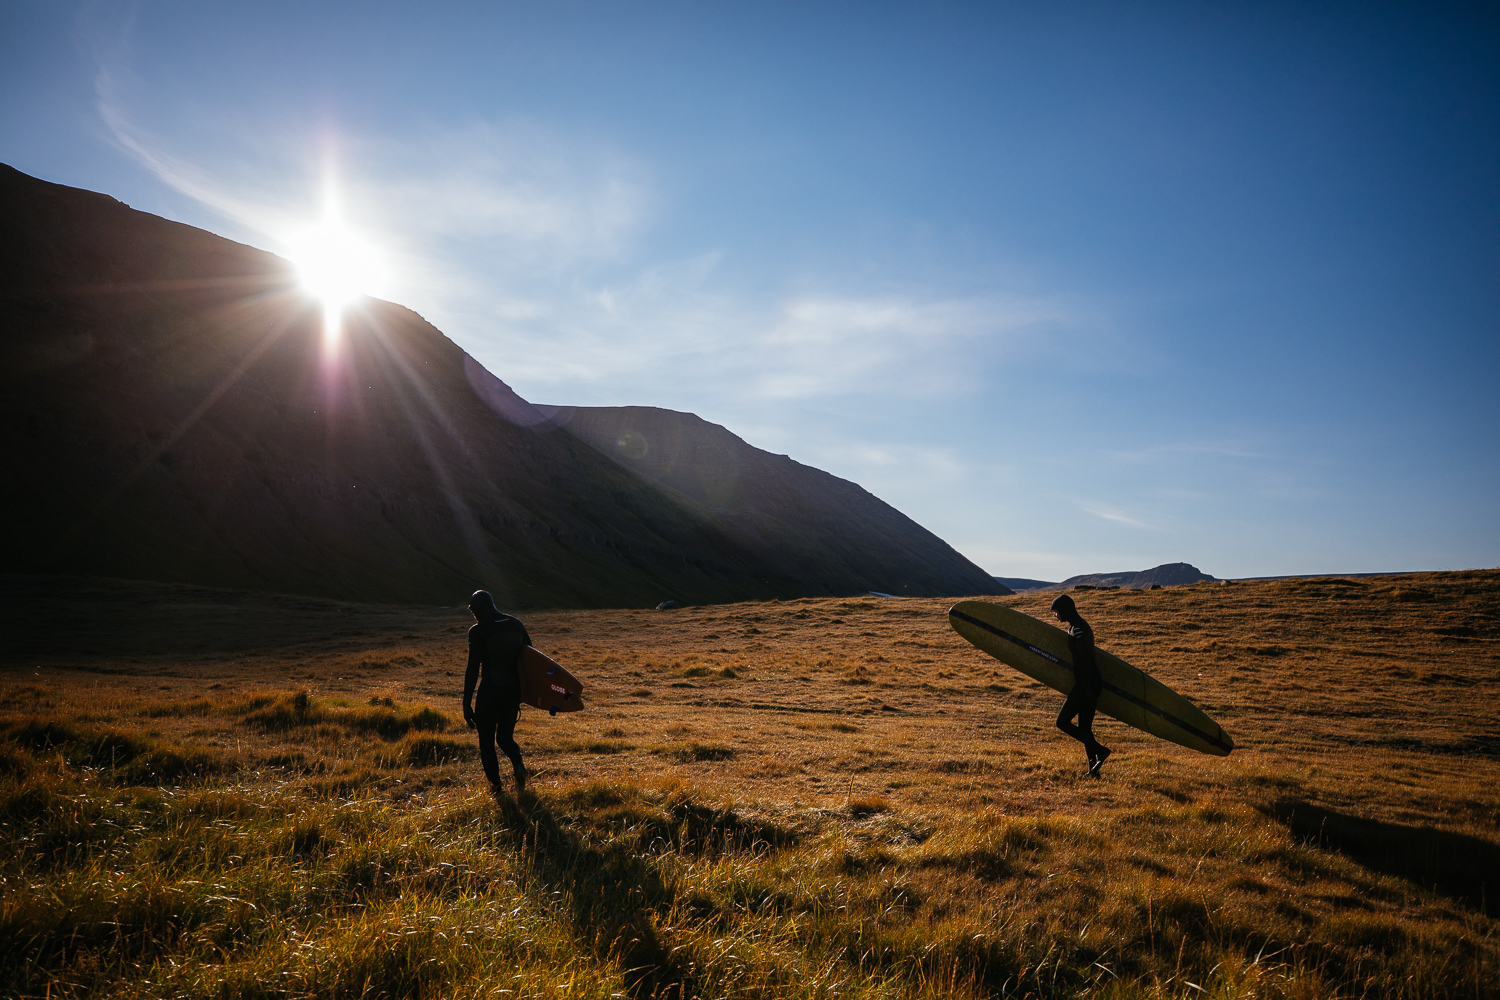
x: 1133, y: 696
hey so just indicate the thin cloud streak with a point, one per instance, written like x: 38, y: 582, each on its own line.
x: 1116, y: 517
x: 525, y: 196
x: 908, y: 346
x: 175, y: 173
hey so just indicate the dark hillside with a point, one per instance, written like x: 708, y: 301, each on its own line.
x: 167, y: 412
x: 815, y: 525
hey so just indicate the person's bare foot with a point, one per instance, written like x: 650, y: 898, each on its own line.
x: 521, y: 775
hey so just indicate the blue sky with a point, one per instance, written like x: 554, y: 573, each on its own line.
x: 1080, y: 287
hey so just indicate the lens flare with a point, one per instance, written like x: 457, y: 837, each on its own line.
x: 336, y: 264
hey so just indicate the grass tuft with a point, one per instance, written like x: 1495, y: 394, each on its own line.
x: 694, y: 752
x: 427, y: 750
x: 381, y: 717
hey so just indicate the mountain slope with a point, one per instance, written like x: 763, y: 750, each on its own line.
x: 819, y: 526
x: 168, y: 412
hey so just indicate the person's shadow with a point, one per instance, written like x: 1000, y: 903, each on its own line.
x: 613, y: 890
x: 1464, y: 868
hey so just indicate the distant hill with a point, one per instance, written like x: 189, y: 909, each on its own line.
x: 1165, y: 575
x: 167, y: 412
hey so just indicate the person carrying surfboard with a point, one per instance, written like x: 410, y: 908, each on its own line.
x: 495, y: 644
x: 1083, y: 701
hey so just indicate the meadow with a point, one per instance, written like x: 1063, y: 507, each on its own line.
x: 220, y: 794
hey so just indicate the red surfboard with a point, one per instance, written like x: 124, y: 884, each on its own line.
x: 546, y: 684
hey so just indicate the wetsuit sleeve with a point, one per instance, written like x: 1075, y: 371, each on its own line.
x: 525, y: 637
x: 471, y: 672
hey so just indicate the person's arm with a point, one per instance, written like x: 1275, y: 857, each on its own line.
x: 1085, y: 661
x: 471, y: 678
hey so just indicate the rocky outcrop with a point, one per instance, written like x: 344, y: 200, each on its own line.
x: 1165, y: 575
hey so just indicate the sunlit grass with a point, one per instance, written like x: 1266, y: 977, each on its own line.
x: 121, y: 880
x: 876, y: 812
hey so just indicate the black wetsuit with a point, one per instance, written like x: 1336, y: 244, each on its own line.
x: 1083, y: 700
x: 494, y: 646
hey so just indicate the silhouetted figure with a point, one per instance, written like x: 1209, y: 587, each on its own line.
x: 495, y: 644
x: 1083, y: 700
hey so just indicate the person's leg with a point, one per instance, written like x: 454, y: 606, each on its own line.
x: 1083, y: 708
x: 505, y: 731
x: 1073, y: 706
x: 1097, y: 751
x: 486, y: 720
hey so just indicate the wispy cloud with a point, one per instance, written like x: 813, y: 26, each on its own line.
x: 178, y: 173
x: 837, y: 345
x: 520, y: 191
x: 675, y: 319
x: 1117, y: 517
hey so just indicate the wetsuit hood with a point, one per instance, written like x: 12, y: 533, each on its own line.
x: 483, y: 605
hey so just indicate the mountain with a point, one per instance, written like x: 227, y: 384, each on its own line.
x: 168, y: 412
x: 1165, y: 575
x: 820, y: 526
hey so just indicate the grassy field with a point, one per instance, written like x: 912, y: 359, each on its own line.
x: 217, y: 794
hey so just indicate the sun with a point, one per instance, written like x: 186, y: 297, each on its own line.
x: 336, y: 264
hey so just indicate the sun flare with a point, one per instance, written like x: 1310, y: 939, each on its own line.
x: 336, y: 264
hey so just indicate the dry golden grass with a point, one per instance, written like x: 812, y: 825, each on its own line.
x: 813, y: 797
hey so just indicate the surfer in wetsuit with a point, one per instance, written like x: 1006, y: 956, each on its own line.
x: 1083, y: 700
x: 495, y: 644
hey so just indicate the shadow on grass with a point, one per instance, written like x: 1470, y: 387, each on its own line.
x: 618, y: 898
x: 614, y: 892
x: 1463, y: 868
